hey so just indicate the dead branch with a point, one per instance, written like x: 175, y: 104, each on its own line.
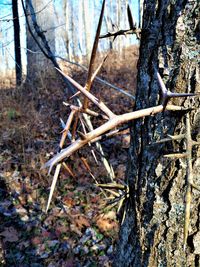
x: 93, y: 56
x: 113, y: 122
x: 91, y: 97
x: 122, y: 32
x: 100, y: 80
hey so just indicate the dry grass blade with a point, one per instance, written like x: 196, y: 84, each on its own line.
x: 93, y: 56
x: 130, y: 18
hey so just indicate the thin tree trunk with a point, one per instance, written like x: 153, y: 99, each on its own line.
x: 37, y: 64
x: 87, y: 26
x: 18, y: 63
x: 66, y: 33
x: 74, y: 30
x: 152, y: 233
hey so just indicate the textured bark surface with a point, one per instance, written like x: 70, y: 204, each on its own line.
x: 152, y: 233
x: 38, y: 65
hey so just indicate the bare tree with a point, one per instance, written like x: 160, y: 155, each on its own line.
x: 87, y: 23
x: 18, y: 63
x: 44, y: 14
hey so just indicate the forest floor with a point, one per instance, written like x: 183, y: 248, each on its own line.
x: 80, y: 228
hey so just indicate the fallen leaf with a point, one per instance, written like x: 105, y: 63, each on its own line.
x: 36, y: 240
x: 81, y: 222
x: 10, y: 234
x: 105, y: 225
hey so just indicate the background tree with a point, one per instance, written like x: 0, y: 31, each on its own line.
x: 36, y: 61
x: 87, y: 28
x: 152, y: 233
x: 18, y: 63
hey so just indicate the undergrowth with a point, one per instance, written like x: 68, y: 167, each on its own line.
x: 79, y: 228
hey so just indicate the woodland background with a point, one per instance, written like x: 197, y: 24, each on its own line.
x: 80, y: 228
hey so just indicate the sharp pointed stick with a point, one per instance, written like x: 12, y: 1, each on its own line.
x: 85, y: 163
x: 62, y: 123
x: 99, y: 148
x: 58, y: 167
x: 120, y: 204
x: 112, y: 192
x: 55, y: 178
x: 176, y: 155
x: 171, y: 138
x: 121, y: 32
x: 112, y: 186
x: 92, y: 98
x: 172, y: 95
x: 68, y: 169
x: 84, y: 129
x: 177, y: 137
x: 75, y: 126
x: 74, y: 95
x: 189, y: 181
x: 124, y: 216
x: 98, y: 69
x: 66, y: 104
x: 195, y: 187
x: 130, y: 18
x: 195, y: 143
x: 107, y: 126
x: 162, y: 85
x: 94, y: 156
x: 93, y: 56
x: 187, y: 215
x: 65, y: 131
x: 177, y: 108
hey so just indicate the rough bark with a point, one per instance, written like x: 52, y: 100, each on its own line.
x: 38, y: 65
x: 152, y: 233
x: 18, y: 63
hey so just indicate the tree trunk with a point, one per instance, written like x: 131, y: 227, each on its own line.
x: 38, y: 65
x: 87, y: 28
x: 18, y: 63
x: 152, y: 232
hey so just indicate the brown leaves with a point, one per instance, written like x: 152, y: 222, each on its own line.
x: 107, y: 222
x: 10, y: 234
x: 81, y: 222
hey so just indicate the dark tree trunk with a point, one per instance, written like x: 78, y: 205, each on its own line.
x: 18, y: 63
x: 152, y: 233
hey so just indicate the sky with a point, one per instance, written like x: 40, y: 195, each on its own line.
x: 6, y: 28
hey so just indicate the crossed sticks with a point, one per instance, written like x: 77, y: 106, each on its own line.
x: 110, y: 125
